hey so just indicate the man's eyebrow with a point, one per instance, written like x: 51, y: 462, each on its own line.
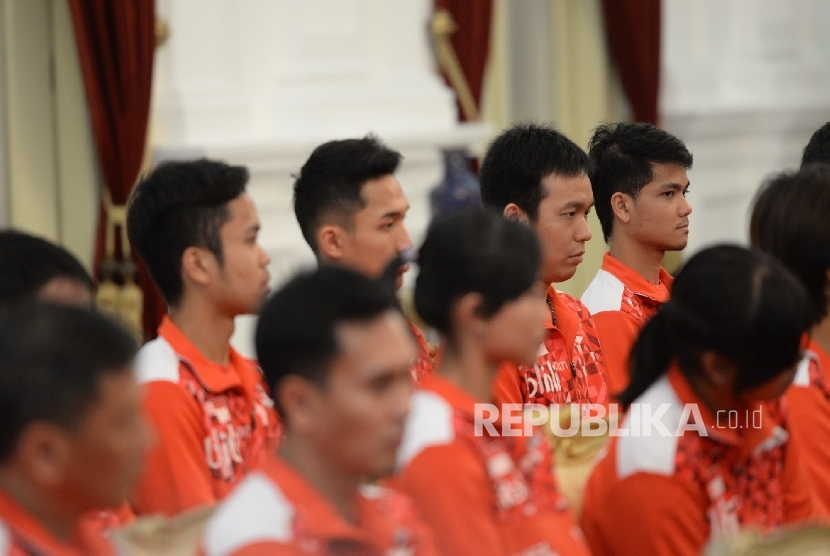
x: 577, y: 205
x: 254, y: 227
x: 394, y: 213
x: 674, y: 186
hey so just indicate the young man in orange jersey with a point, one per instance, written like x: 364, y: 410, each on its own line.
x: 790, y: 221
x: 351, y: 209
x: 535, y: 175
x: 72, y: 435
x: 337, y: 352
x: 640, y: 186
x: 196, y: 228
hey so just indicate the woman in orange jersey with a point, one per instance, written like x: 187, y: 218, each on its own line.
x: 700, y: 454
x: 481, y: 493
x: 790, y: 222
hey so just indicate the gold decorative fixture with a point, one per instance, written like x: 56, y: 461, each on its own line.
x: 441, y: 28
x: 118, y: 294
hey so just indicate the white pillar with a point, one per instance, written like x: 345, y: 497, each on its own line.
x: 745, y: 83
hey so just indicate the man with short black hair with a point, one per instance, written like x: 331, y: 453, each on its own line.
x: 818, y: 149
x: 351, y: 208
x: 31, y: 267
x: 197, y: 228
x: 72, y: 435
x: 640, y: 184
x: 535, y: 175
x: 336, y: 351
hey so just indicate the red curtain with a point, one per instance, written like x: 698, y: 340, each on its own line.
x: 633, y: 31
x: 471, y: 41
x: 116, y: 43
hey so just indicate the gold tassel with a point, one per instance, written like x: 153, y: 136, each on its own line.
x: 442, y: 27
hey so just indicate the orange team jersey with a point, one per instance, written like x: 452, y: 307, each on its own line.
x: 422, y: 365
x: 570, y: 367
x: 670, y: 491
x: 21, y: 534
x: 213, y: 423
x: 621, y: 301
x: 807, y: 408
x: 276, y: 511
x: 481, y: 494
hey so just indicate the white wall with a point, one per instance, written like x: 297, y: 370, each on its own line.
x: 745, y: 84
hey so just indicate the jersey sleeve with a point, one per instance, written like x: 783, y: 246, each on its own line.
x: 647, y: 515
x: 801, y: 500
x: 176, y: 476
x: 458, y: 507
x: 617, y: 332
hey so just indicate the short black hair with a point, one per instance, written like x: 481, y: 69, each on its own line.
x: 27, y: 263
x: 181, y: 205
x: 740, y: 303
x: 818, y: 149
x: 791, y: 221
x: 296, y: 331
x: 52, y: 360
x: 623, y: 156
x: 478, y: 251
x: 330, y: 182
x: 519, y: 159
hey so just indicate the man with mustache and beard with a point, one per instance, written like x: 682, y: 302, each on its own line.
x: 351, y: 208
x: 640, y: 185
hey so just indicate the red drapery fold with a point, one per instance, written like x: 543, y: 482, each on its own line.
x: 633, y: 31
x: 472, y: 39
x: 116, y: 43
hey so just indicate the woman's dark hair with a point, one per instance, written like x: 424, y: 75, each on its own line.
x: 740, y: 303
x: 791, y: 221
x: 474, y: 251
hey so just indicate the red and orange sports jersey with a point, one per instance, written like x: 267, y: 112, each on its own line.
x: 807, y: 409
x: 275, y: 511
x: 481, y: 494
x: 21, y: 534
x: 422, y: 365
x: 621, y: 301
x: 704, y: 476
x: 213, y: 423
x: 570, y: 367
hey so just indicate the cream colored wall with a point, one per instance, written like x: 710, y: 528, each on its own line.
x: 51, y: 174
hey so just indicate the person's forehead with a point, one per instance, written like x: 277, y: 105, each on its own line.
x: 243, y: 212
x: 375, y: 344
x: 384, y: 193
x: 561, y: 190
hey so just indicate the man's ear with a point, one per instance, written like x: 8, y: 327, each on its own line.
x: 43, y: 450
x: 197, y: 263
x: 330, y: 240
x: 299, y: 399
x: 513, y: 212
x: 620, y: 204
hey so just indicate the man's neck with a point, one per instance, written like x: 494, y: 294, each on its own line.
x: 821, y: 334
x: 645, y: 261
x: 207, y: 329
x: 341, y: 491
x: 59, y: 523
